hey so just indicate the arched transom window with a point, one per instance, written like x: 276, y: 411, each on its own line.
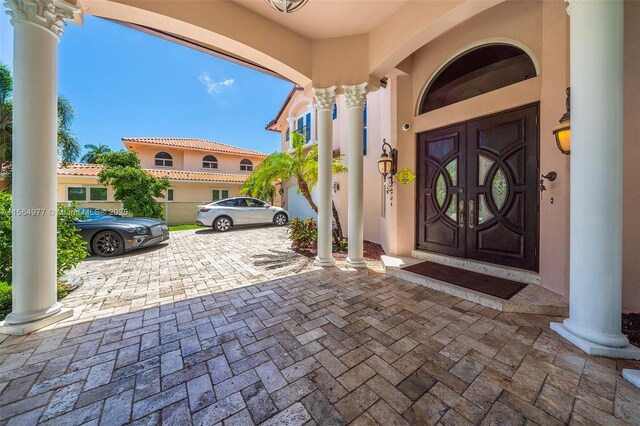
x: 477, y: 71
x: 209, y: 162
x: 164, y: 159
x: 246, y: 165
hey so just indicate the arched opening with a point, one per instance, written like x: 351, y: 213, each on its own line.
x: 209, y: 162
x: 164, y: 159
x: 246, y: 165
x: 475, y: 72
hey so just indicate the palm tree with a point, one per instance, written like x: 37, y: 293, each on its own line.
x: 93, y: 152
x: 301, y: 166
x: 68, y: 145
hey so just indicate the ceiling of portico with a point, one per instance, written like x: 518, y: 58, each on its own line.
x: 322, y: 19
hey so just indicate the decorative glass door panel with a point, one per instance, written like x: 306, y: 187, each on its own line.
x: 479, y: 189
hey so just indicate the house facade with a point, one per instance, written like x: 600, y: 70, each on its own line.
x: 299, y: 115
x: 200, y: 171
x: 479, y: 140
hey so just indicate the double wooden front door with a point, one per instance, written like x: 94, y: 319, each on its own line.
x: 478, y: 189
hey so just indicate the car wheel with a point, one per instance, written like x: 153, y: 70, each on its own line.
x: 108, y: 244
x: 222, y: 224
x: 280, y: 219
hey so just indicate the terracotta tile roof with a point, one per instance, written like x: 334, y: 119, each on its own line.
x: 80, y: 169
x: 198, y: 144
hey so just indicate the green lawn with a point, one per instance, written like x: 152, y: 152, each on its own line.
x: 185, y: 227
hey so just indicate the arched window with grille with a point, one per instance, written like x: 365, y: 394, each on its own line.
x: 246, y: 165
x: 475, y: 72
x: 164, y: 159
x: 209, y: 162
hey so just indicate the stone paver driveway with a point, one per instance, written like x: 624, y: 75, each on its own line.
x: 235, y: 329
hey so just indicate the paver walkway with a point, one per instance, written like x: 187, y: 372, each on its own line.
x: 236, y: 329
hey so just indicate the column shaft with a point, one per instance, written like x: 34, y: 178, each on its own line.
x: 34, y: 173
x: 356, y: 97
x: 34, y: 234
x: 325, y: 99
x: 596, y: 179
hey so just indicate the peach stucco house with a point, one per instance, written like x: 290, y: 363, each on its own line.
x: 199, y: 171
x: 469, y: 92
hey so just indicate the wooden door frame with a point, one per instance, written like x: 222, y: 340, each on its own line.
x: 416, y: 234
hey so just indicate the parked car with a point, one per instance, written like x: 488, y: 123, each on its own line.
x: 224, y: 214
x: 110, y: 235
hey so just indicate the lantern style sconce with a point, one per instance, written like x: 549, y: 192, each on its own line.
x: 281, y: 191
x: 562, y: 132
x: 387, y: 164
x: 336, y: 187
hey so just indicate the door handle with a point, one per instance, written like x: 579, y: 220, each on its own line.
x: 461, y: 214
x: 471, y: 215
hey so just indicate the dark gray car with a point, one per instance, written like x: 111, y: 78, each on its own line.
x: 111, y: 235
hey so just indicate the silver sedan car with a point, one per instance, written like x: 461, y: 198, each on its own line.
x: 224, y: 214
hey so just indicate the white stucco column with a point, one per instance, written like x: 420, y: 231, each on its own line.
x: 292, y: 128
x: 37, y: 26
x: 355, y: 97
x: 325, y: 98
x: 595, y: 304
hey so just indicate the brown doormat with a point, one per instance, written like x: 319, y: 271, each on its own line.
x: 498, y: 287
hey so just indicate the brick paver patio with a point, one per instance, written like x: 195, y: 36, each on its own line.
x: 236, y: 329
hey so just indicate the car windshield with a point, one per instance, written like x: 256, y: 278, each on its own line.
x: 91, y: 214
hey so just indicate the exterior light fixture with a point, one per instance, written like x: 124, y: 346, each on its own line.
x: 281, y: 191
x: 388, y: 166
x: 387, y: 163
x: 286, y: 6
x: 562, y: 132
x: 336, y: 187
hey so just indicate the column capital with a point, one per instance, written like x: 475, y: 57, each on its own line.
x: 325, y: 98
x: 48, y: 14
x: 356, y: 95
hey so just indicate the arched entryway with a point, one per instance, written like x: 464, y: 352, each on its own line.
x: 478, y: 180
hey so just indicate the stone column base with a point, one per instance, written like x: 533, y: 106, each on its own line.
x: 324, y: 262
x: 358, y: 264
x: 30, y: 327
x: 625, y: 352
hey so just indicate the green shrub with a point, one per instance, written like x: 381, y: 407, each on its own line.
x: 5, y: 299
x: 303, y: 233
x: 71, y: 247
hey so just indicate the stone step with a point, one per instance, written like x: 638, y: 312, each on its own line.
x: 513, y: 274
x: 534, y: 299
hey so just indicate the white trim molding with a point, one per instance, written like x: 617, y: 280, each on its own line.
x: 48, y: 14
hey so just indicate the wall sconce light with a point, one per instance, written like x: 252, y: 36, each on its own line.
x: 281, y: 191
x: 562, y: 132
x: 387, y: 164
x: 336, y: 187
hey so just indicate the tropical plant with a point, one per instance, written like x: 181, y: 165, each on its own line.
x: 131, y: 184
x: 68, y: 145
x: 300, y: 165
x: 93, y: 152
x: 303, y: 233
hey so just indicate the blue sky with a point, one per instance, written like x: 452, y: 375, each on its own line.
x: 123, y: 83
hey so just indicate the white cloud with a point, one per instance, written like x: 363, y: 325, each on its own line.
x: 214, y: 87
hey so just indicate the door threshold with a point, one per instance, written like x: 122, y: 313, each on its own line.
x: 531, y: 300
x: 506, y: 272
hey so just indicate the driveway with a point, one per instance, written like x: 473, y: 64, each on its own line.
x: 235, y: 329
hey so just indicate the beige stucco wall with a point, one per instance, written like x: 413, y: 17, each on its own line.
x: 631, y: 197
x: 541, y: 29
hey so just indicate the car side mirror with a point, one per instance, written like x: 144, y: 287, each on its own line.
x: 266, y: 206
